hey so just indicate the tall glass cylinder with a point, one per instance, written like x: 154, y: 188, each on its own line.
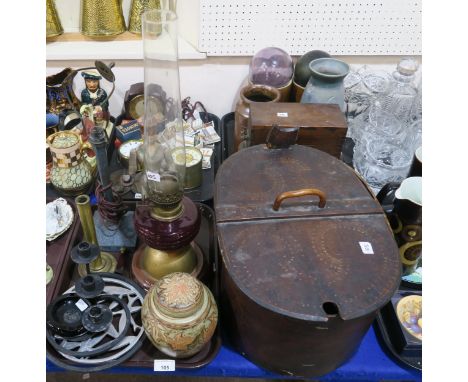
x: 163, y: 129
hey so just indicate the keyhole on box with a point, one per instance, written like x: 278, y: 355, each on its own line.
x: 330, y: 308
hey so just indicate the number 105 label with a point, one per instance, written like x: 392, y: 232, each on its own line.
x: 164, y: 365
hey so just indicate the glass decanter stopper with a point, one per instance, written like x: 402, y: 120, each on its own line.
x: 400, y: 99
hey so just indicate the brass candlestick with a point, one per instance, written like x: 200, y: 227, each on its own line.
x: 105, y: 261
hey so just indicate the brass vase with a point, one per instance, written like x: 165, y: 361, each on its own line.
x: 105, y: 262
x: 53, y: 25
x: 136, y: 9
x: 101, y: 18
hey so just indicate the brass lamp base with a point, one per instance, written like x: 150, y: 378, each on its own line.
x: 150, y: 264
x: 108, y: 264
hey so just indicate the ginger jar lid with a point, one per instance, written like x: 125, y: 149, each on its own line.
x: 178, y: 295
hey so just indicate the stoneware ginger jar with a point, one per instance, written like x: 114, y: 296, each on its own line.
x: 179, y: 315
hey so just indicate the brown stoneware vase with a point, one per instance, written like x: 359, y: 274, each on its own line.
x: 250, y: 94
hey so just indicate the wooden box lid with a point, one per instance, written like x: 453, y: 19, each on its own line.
x: 289, y: 114
x: 300, y: 257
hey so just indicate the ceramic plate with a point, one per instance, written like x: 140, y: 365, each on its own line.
x: 409, y: 312
x: 59, y: 217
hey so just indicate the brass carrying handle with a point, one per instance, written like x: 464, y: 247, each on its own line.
x: 92, y: 161
x: 298, y: 193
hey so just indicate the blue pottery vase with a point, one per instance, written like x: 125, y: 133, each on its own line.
x: 326, y: 82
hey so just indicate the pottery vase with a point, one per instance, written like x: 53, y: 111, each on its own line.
x: 179, y: 315
x: 325, y: 84
x: 248, y: 95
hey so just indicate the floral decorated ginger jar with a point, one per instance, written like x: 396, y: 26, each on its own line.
x: 179, y: 315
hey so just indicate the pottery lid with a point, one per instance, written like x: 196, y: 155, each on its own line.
x: 178, y: 294
x: 63, y: 140
x: 332, y: 251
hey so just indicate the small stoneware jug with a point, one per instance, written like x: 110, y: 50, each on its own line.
x: 405, y: 218
x: 72, y: 173
x: 326, y: 82
x: 179, y: 315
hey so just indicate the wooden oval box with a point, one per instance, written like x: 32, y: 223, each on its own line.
x: 303, y: 274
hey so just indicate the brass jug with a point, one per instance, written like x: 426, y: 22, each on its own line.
x: 101, y: 18
x: 136, y: 10
x: 53, y: 25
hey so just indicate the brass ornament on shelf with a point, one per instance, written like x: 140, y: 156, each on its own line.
x: 53, y: 24
x: 136, y: 9
x: 102, y: 18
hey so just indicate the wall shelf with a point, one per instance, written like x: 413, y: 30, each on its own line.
x: 126, y: 46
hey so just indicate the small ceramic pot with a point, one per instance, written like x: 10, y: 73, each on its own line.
x: 179, y: 315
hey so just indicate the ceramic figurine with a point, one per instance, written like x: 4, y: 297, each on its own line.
x: 179, y: 315
x: 93, y: 94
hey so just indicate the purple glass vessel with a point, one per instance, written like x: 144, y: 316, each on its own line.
x: 271, y: 66
x: 168, y: 235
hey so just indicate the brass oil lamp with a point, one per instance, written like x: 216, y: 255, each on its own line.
x: 166, y: 220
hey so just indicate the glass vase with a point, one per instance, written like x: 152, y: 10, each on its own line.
x: 164, y: 148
